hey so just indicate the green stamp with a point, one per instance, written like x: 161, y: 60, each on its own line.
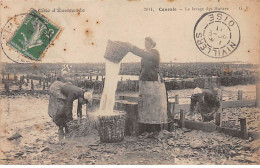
x: 34, y: 36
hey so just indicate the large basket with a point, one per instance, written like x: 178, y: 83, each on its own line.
x: 79, y: 127
x: 112, y: 128
x: 115, y: 51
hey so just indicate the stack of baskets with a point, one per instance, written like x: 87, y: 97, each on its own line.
x: 79, y: 127
x: 115, y: 51
x: 112, y: 128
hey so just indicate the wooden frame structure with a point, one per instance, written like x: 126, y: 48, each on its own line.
x: 217, y: 126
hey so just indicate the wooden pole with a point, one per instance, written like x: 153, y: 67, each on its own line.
x: 20, y: 85
x: 32, y: 86
x: 218, y: 119
x: 172, y: 126
x: 43, y: 83
x: 15, y: 78
x: 182, y: 119
x: 240, y: 95
x: 7, y: 91
x: 243, y: 128
x: 47, y: 83
x: 176, y: 99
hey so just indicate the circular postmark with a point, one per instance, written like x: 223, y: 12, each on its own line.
x: 6, y: 33
x: 216, y: 34
x: 26, y: 37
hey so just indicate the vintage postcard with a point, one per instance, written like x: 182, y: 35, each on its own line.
x: 129, y: 82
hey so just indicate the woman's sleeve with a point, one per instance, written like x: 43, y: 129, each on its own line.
x: 152, y: 55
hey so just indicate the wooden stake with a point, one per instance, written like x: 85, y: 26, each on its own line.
x: 176, y: 99
x: 20, y: 85
x: 15, y: 78
x: 47, y: 83
x: 240, y: 95
x: 218, y: 120
x: 32, y: 85
x: 43, y: 87
x: 7, y: 88
x: 243, y: 128
x: 172, y: 126
x: 182, y: 119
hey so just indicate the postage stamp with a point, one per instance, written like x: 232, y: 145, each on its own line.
x: 34, y: 36
x: 216, y: 34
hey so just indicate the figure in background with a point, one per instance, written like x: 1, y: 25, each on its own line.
x: 62, y: 95
x: 206, y: 102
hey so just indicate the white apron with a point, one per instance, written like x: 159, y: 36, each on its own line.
x: 152, y: 102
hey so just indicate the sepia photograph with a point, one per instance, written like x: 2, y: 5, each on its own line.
x: 129, y: 82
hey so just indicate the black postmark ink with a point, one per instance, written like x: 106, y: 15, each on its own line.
x: 13, y: 25
x: 216, y: 34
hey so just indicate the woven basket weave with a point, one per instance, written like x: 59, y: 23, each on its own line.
x: 79, y: 127
x: 115, y: 51
x: 112, y: 128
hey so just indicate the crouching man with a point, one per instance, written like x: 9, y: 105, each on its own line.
x: 61, y: 100
x: 206, y: 102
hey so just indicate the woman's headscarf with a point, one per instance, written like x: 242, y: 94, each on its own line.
x: 151, y: 41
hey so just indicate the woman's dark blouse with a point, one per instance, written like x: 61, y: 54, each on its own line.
x: 149, y: 63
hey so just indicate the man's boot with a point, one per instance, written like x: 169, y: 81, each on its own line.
x: 60, y: 131
x: 66, y: 129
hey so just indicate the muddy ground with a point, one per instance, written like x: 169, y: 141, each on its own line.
x: 40, y: 143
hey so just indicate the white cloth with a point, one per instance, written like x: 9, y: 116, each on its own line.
x: 197, y: 91
x: 89, y: 95
x: 152, y: 103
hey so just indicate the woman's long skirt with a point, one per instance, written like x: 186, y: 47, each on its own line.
x: 152, y: 103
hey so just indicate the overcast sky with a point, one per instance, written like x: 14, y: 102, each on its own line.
x: 84, y: 37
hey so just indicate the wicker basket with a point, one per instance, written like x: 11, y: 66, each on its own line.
x: 115, y: 51
x: 79, y: 127
x: 112, y: 128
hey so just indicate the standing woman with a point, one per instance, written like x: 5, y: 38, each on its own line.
x: 152, y: 102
